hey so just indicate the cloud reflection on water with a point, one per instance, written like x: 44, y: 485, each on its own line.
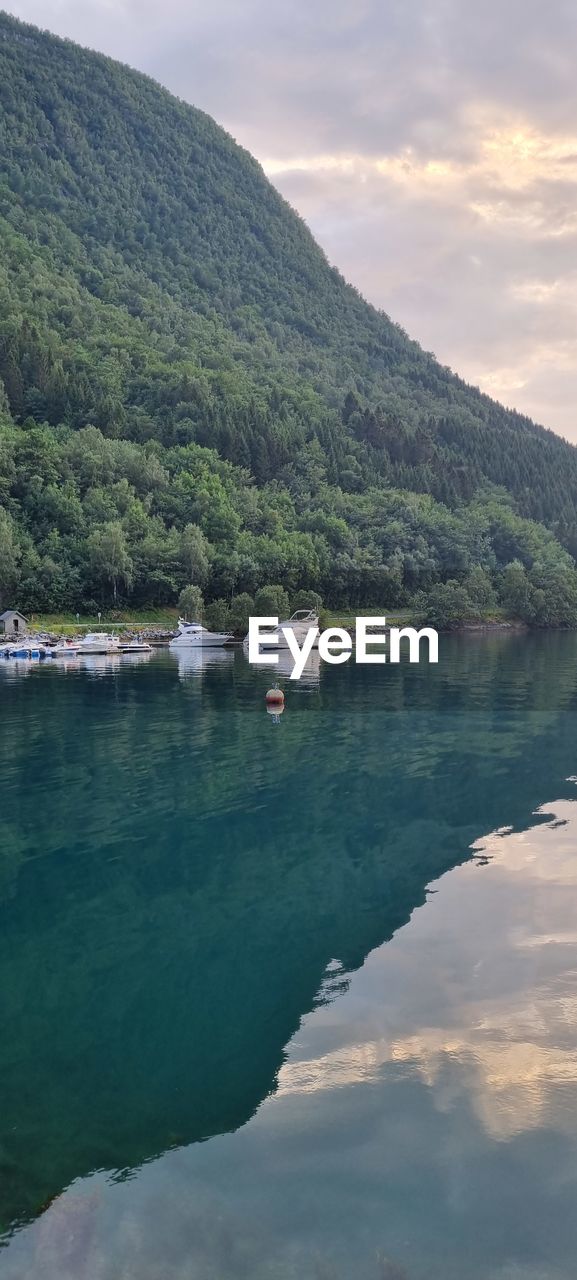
x: 512, y: 1050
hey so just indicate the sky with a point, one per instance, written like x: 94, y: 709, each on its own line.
x: 431, y: 146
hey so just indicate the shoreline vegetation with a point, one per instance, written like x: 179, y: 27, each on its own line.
x: 162, y: 622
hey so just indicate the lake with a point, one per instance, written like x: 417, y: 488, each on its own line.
x: 290, y: 998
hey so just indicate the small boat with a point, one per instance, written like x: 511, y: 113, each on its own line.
x: 135, y: 646
x: 23, y: 650
x: 191, y: 635
x: 98, y: 642
x: 300, y: 623
x: 66, y: 649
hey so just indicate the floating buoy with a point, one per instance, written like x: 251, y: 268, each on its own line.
x: 274, y: 697
x: 275, y: 709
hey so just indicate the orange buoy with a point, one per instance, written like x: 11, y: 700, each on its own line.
x: 274, y: 697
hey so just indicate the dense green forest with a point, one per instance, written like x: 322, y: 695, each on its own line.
x: 191, y: 394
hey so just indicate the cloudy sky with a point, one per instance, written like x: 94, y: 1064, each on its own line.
x: 431, y: 145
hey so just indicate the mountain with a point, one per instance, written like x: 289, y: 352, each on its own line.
x: 191, y: 391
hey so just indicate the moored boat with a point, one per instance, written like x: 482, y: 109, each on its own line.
x: 135, y: 646
x: 191, y: 635
x: 25, y: 649
x: 98, y: 642
x: 64, y: 649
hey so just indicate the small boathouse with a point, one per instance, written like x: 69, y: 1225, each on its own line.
x: 12, y: 624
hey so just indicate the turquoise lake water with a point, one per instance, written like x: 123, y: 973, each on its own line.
x: 290, y: 1000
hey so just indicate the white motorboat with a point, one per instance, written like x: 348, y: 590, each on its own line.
x: 191, y: 635
x: 98, y: 642
x: 300, y: 623
x: 64, y: 649
x: 135, y: 646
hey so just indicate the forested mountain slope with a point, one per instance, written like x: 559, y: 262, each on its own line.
x: 177, y: 356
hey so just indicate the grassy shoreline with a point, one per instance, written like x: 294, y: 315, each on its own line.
x: 166, y: 619
x: 110, y: 620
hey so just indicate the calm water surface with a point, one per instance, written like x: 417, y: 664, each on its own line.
x: 294, y: 1000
